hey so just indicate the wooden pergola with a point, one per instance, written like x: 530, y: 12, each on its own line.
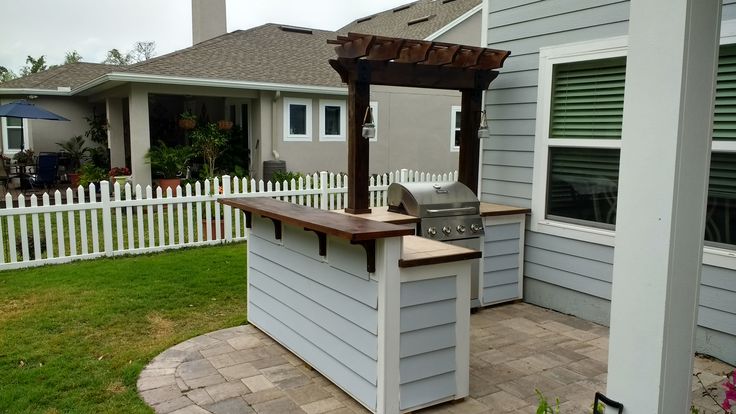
x: 364, y: 60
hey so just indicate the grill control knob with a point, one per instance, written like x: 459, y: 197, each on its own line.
x: 446, y: 230
x: 432, y: 231
x: 476, y: 228
x: 460, y: 228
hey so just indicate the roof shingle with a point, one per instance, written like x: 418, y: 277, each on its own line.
x: 70, y: 75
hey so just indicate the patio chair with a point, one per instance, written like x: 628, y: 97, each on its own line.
x: 47, y: 169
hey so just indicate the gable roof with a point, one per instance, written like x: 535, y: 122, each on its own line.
x: 408, y: 22
x: 269, y: 53
x: 70, y: 75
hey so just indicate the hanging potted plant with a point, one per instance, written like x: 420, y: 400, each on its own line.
x: 224, y: 125
x: 169, y: 163
x: 187, y: 120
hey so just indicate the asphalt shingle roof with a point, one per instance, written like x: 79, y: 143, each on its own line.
x: 69, y: 75
x: 395, y: 22
x: 265, y: 53
x: 270, y: 53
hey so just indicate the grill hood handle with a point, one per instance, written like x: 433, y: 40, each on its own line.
x: 469, y: 210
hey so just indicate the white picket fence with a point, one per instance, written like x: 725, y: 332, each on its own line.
x: 130, y: 220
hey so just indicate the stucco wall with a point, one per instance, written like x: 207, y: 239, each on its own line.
x: 45, y: 134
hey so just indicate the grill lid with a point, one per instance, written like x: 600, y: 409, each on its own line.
x: 432, y: 199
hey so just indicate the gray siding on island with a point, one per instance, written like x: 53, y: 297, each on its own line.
x: 334, y: 310
x: 427, y: 341
x: 501, y: 262
x: 568, y: 275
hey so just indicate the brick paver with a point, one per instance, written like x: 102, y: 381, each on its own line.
x: 514, y: 350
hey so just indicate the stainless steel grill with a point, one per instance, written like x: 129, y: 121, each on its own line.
x: 447, y: 211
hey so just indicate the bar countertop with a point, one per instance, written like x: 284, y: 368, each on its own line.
x: 490, y: 209
x: 344, y: 226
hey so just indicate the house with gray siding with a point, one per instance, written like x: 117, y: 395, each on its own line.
x: 555, y: 115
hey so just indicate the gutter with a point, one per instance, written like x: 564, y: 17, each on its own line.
x: 455, y: 22
x: 31, y: 91
x: 219, y: 83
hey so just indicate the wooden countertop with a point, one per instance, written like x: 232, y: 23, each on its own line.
x: 344, y: 226
x: 383, y: 215
x: 490, y: 209
x: 419, y: 251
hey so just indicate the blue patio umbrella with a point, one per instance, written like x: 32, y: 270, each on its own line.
x: 27, y: 110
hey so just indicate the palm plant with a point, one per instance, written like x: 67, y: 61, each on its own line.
x: 76, y: 151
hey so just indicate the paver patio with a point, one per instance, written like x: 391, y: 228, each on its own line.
x: 514, y: 349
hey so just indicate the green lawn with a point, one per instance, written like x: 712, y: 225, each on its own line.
x: 74, y: 337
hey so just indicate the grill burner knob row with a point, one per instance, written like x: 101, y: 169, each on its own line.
x: 476, y: 228
x: 446, y: 230
x: 460, y: 228
x: 432, y: 231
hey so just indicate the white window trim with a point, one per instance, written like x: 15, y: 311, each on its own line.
x: 374, y: 107
x: 593, y: 50
x: 323, y: 136
x: 454, y: 110
x: 287, y: 118
x: 26, y: 137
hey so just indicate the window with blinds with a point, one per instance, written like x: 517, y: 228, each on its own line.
x: 720, y: 218
x: 588, y: 99
x: 587, y: 104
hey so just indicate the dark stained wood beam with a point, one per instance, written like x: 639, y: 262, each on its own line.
x: 413, y: 75
x: 358, y: 150
x: 471, y: 101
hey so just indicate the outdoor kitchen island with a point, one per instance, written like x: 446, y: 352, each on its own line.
x: 381, y: 313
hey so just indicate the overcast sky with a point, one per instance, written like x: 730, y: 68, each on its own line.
x: 92, y: 27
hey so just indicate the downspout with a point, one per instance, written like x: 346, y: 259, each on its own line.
x: 276, y: 98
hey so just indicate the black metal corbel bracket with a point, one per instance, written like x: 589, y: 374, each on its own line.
x: 276, y: 228
x: 322, y: 238
x: 370, y: 253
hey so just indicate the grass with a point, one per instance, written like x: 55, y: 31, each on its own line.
x: 74, y: 337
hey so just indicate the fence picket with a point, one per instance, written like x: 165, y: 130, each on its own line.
x: 23, y: 229
x: 198, y: 193
x: 36, y: 233
x: 179, y: 215
x: 72, y: 224
x: 139, y: 214
x: 227, y: 213
x: 190, y: 218
x: 104, y: 188
x: 207, y: 211
x: 160, y: 212
x: 60, y: 242
x: 82, y: 222
x: 149, y: 211
x: 118, y: 217
x: 170, y: 215
x: 129, y: 216
x: 2, y: 233
x: 12, y: 253
x: 47, y: 227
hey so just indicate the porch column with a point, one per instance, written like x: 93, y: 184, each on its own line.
x: 665, y: 157
x: 140, y: 135
x: 115, y: 136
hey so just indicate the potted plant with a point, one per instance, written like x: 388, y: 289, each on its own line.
x: 224, y: 125
x: 209, y: 142
x: 76, y: 151
x: 168, y: 163
x: 187, y: 120
x: 91, y: 174
x: 119, y: 174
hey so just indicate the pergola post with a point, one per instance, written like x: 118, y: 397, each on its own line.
x: 471, y: 104
x: 663, y: 182
x: 358, y: 150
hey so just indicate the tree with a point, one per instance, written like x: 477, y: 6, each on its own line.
x: 34, y: 65
x: 115, y: 57
x: 6, y: 74
x: 72, y: 57
x: 142, y: 51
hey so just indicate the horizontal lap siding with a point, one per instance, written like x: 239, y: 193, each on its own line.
x: 501, y: 262
x: 427, y: 342
x: 328, y: 315
x: 523, y: 27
